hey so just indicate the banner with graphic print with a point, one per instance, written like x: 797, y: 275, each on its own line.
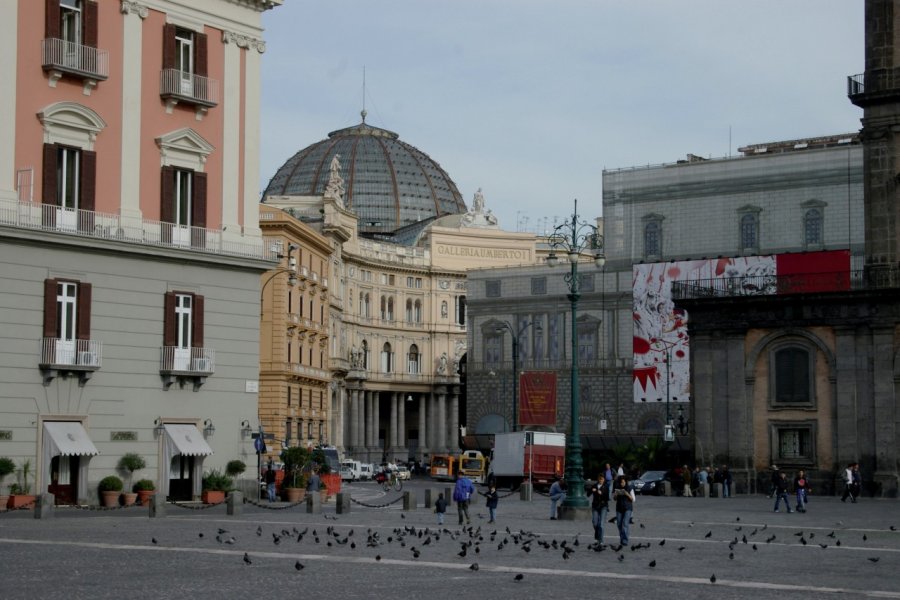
x: 537, y: 398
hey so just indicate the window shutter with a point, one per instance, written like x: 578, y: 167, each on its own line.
x: 168, y: 46
x: 198, y: 201
x: 167, y: 201
x: 197, y: 322
x: 83, y: 318
x: 49, y: 183
x: 88, y: 190
x: 50, y: 316
x: 51, y: 28
x: 90, y: 24
x: 200, y: 54
x: 169, y: 320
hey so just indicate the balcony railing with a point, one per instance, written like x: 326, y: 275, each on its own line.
x: 187, y: 87
x: 187, y: 361
x: 105, y: 226
x: 76, y: 59
x: 796, y: 283
x: 71, y: 355
x: 504, y: 368
x: 306, y: 371
x: 856, y: 85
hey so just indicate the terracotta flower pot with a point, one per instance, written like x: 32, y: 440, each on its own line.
x: 19, y: 501
x: 212, y: 496
x: 144, y: 496
x: 110, y: 499
x: 130, y: 499
x: 295, y: 495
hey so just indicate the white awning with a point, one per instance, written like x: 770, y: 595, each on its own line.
x: 188, y: 440
x: 68, y: 438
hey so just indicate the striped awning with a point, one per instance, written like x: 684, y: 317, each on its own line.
x: 187, y: 439
x: 69, y: 438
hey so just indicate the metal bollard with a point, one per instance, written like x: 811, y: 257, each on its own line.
x: 234, y: 503
x: 157, y: 506
x: 43, y: 506
x: 448, y: 495
x: 703, y: 490
x: 526, y: 490
x: 430, y: 497
x: 719, y: 490
x: 342, y: 503
x: 409, y: 500
x: 667, y: 488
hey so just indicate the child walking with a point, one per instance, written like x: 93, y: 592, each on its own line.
x: 440, y: 507
x: 492, y: 498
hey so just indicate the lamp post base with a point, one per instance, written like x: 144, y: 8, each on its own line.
x: 574, y: 513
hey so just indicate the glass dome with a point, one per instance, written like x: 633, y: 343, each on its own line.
x: 388, y: 183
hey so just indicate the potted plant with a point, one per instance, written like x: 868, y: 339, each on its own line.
x: 215, y: 485
x: 129, y: 463
x: 294, y: 459
x: 330, y: 481
x: 7, y: 466
x: 144, y: 489
x: 20, y: 493
x: 110, y: 488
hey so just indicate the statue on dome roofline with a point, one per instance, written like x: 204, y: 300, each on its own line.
x: 335, y: 186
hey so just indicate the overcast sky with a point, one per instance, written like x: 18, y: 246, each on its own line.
x: 531, y: 99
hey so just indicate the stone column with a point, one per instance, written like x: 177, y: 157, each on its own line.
x: 454, y: 420
x: 442, y: 422
x: 354, y: 420
x: 232, y: 102
x: 130, y: 185
x: 374, y: 413
x: 423, y: 426
x: 883, y: 413
x: 393, y: 424
x: 402, y: 440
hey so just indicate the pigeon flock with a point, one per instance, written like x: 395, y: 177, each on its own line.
x: 431, y: 543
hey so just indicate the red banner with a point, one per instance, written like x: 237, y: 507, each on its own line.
x: 537, y: 398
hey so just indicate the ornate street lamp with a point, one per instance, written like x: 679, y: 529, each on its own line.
x: 515, y: 356
x: 574, y: 238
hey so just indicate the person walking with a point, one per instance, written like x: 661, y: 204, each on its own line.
x: 599, y: 507
x: 492, y: 498
x: 608, y: 477
x: 848, y: 484
x: 462, y: 493
x: 440, y: 507
x: 624, y: 497
x: 774, y: 481
x: 557, y: 495
x: 781, y: 492
x: 314, y: 483
x: 686, y: 480
x: 801, y: 488
x: 727, y: 480
x: 270, y: 482
x: 857, y: 481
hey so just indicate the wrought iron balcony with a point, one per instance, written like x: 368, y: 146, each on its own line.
x: 75, y: 59
x: 181, y: 86
x: 187, y: 361
x: 856, y: 85
x: 796, y: 283
x: 71, y: 355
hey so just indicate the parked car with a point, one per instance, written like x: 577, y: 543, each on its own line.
x: 650, y: 483
x: 403, y: 473
x: 346, y: 473
x: 366, y: 471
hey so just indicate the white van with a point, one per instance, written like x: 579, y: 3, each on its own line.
x: 350, y: 470
x: 366, y: 471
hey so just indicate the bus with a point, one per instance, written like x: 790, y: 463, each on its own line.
x: 444, y: 466
x: 473, y: 465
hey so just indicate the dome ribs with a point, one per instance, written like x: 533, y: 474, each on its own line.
x: 434, y: 197
x: 393, y: 172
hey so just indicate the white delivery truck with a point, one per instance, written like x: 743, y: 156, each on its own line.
x: 527, y: 455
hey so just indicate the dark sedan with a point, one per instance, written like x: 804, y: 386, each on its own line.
x: 650, y: 483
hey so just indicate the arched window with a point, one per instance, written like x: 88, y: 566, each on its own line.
x: 365, y: 355
x: 387, y: 359
x: 390, y: 309
x: 812, y: 227
x: 364, y: 305
x: 409, y: 311
x: 749, y: 232
x: 383, y: 308
x: 653, y: 239
x: 412, y: 360
x: 418, y: 312
x: 792, y: 375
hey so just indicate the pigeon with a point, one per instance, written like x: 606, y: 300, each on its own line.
x: 519, y: 577
x: 402, y: 516
x: 662, y: 542
x: 353, y: 545
x: 681, y: 548
x: 298, y: 565
x: 837, y: 543
x: 415, y: 554
x: 247, y: 559
x: 708, y: 534
x: 222, y: 531
x: 377, y: 557
x: 865, y: 538
x: 259, y: 530
x: 621, y: 557
x: 712, y: 578
x: 473, y: 566
x: 731, y: 555
x: 462, y: 553
x: 823, y: 546
x: 642, y: 526
x: 154, y: 540
x: 875, y: 559
x: 652, y: 564
x: 744, y: 539
x: 831, y: 535
x: 737, y: 519
x: 201, y: 534
x: 799, y: 534
x: 892, y: 528
x: 754, y: 547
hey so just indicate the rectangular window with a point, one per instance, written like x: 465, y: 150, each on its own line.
x: 792, y: 376
x: 538, y: 286
x: 553, y: 328
x: 493, y: 349
x: 586, y: 282
x: 587, y: 344
x: 67, y: 173
x: 410, y: 281
x: 70, y: 21
x: 184, y: 59
x: 183, y: 322
x: 794, y: 444
x: 183, y: 181
x: 492, y: 288
x: 66, y: 310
